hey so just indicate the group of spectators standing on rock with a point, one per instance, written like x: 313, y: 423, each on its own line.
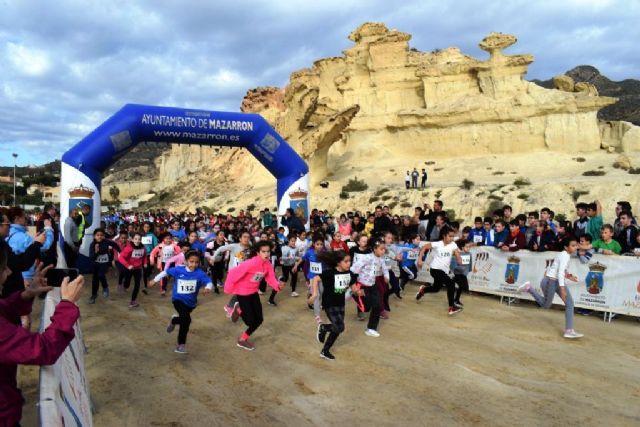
x: 411, y: 179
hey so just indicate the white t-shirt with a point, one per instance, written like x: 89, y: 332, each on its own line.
x: 558, y: 267
x: 442, y: 255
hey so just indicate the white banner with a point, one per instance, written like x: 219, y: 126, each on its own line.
x: 606, y: 283
x: 64, y: 389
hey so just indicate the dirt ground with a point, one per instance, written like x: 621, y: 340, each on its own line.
x: 492, y: 365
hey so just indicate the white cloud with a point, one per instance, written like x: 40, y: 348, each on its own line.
x: 31, y: 62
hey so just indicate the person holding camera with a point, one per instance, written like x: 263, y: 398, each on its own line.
x: 18, y: 346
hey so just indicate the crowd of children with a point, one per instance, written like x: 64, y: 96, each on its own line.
x: 351, y: 261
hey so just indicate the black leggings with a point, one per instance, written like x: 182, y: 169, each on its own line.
x: 463, y: 285
x: 286, y: 271
x: 183, y: 319
x: 146, y: 273
x: 251, y: 311
x: 137, y: 275
x: 216, y: 271
x: 122, y: 273
x: 372, y: 304
x: 99, y: 275
x: 394, y: 288
x: 440, y: 278
x: 404, y: 277
x: 336, y: 327
x: 70, y: 255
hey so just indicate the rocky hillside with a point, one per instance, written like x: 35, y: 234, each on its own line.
x: 627, y: 91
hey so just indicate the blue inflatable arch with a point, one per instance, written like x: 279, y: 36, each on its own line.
x: 84, y: 164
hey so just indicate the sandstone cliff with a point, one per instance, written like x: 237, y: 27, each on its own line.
x: 383, y: 107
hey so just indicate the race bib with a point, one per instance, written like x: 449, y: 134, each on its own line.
x: 137, y: 253
x: 187, y: 286
x: 258, y: 277
x: 102, y: 259
x: 351, y: 244
x: 377, y: 270
x: 477, y: 239
x: 413, y: 255
x: 356, y: 257
x: 342, y: 282
x: 166, y: 255
x: 466, y: 259
x: 147, y: 240
x: 315, y: 267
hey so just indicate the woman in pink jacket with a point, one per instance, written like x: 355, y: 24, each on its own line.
x: 244, y: 280
x: 19, y: 346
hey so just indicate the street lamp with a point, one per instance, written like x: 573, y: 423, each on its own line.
x: 15, y: 160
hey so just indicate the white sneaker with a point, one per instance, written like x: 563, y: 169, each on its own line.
x: 524, y: 287
x: 372, y: 333
x: 571, y: 334
x: 295, y: 294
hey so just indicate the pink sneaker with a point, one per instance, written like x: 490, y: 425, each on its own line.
x: 384, y: 314
x: 524, y: 287
x: 228, y: 310
x: 134, y: 304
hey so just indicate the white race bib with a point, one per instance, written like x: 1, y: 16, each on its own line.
x: 102, y: 259
x: 377, y: 270
x: 413, y: 255
x: 342, y: 282
x: 351, y: 244
x: 257, y: 277
x: 137, y: 253
x: 477, y: 239
x: 146, y: 240
x: 466, y: 259
x: 187, y: 286
x: 315, y: 267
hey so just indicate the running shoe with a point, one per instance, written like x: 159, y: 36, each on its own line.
x: 105, y: 293
x: 361, y: 315
x: 216, y: 289
x: 260, y: 293
x: 181, y: 349
x: 410, y: 274
x: 524, y: 287
x: 171, y: 326
x: 295, y: 294
x: 228, y: 310
x: 235, y: 314
x: 310, y: 306
x: 397, y: 294
x: 420, y: 292
x: 92, y: 300
x: 321, y: 334
x: 572, y: 334
x: 120, y: 288
x: 372, y: 333
x: 145, y: 291
x: 246, y: 345
x: 384, y: 314
x: 458, y: 304
x: 134, y: 304
x: 163, y: 293
x: 454, y: 310
x: 273, y: 303
x: 326, y: 354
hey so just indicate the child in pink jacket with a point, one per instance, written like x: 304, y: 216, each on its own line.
x: 244, y: 280
x: 161, y: 254
x: 134, y: 258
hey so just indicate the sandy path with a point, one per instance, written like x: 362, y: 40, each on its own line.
x: 491, y: 365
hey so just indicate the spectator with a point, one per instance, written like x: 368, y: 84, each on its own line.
x: 622, y: 206
x: 594, y: 212
x: 580, y: 224
x: 440, y: 222
x: 407, y: 180
x: 546, y: 215
x: 606, y: 245
x: 477, y: 233
x: 489, y: 232
x: 533, y: 218
x: 70, y: 235
x: 585, y: 248
x: 414, y: 178
x: 501, y: 235
x: 515, y: 240
x: 19, y: 346
x: 522, y: 223
x: 50, y: 257
x: 507, y: 211
x: 431, y: 215
x: 396, y: 227
x: 408, y: 228
x: 382, y: 223
x: 291, y: 221
x: 357, y: 225
x: 544, y: 239
x: 423, y: 182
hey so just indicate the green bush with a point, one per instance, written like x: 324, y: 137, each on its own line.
x: 634, y: 171
x: 381, y: 191
x: 521, y: 182
x: 593, y: 173
x: 523, y: 196
x: 494, y: 197
x: 576, y: 194
x: 560, y: 217
x: 580, y: 159
x: 466, y: 184
x: 386, y: 197
x: 251, y: 207
x: 344, y: 195
x: 231, y: 209
x: 498, y: 173
x: 405, y: 205
x: 438, y: 194
x: 373, y: 199
x: 393, y: 204
x: 354, y: 185
x: 493, y: 205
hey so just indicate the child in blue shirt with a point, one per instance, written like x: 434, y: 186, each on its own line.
x: 408, y: 256
x: 189, y: 279
x: 478, y: 233
x: 315, y: 269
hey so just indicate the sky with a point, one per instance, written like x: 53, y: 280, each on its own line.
x: 66, y: 66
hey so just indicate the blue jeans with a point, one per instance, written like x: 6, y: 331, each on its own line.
x: 550, y: 287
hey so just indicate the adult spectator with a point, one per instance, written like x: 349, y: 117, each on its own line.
x: 71, y: 241
x: 423, y: 182
x: 439, y: 223
x: 431, y: 215
x: 414, y: 178
x: 50, y: 257
x: 407, y: 180
x: 409, y: 228
x: 21, y: 347
x: 83, y: 222
x: 382, y: 222
x: 627, y: 235
x: 291, y: 221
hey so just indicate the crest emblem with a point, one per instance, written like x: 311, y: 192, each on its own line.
x: 298, y: 202
x: 79, y: 197
x: 595, y: 278
x: 512, y: 270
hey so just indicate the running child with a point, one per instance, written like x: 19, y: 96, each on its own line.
x: 243, y: 282
x: 553, y: 283
x: 335, y: 279
x: 216, y: 265
x: 288, y: 260
x: 134, y: 259
x: 101, y: 254
x: 121, y: 242
x: 370, y: 268
x: 238, y: 253
x: 179, y: 259
x: 315, y: 269
x: 440, y: 265
x: 408, y: 257
x: 150, y: 241
x: 161, y: 254
x: 357, y: 253
x: 461, y: 270
x: 188, y: 281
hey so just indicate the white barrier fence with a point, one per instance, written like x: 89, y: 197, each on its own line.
x: 610, y: 284
x: 64, y: 389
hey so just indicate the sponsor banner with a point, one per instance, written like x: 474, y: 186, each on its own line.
x: 64, y: 391
x: 606, y: 283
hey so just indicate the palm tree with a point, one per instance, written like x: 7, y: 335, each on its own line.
x: 114, y: 192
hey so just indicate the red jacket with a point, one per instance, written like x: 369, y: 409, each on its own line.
x: 135, y: 257
x: 19, y: 346
x: 339, y: 246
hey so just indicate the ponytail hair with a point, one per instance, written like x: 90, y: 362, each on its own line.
x: 331, y: 258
